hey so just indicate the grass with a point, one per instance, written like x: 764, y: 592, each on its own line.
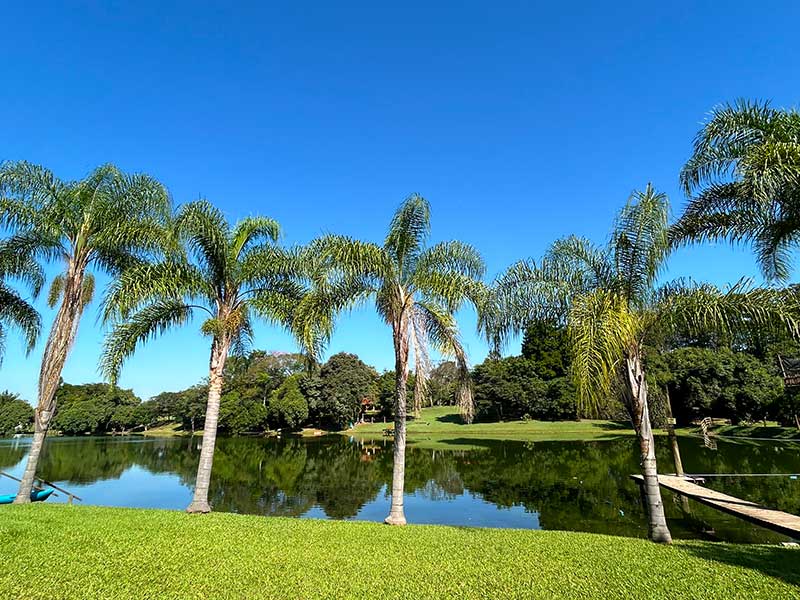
x: 443, y: 423
x: 771, y: 431
x: 91, y: 552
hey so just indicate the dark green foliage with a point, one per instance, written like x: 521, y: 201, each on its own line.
x: 346, y: 382
x: 509, y: 389
x: 385, y: 394
x: 443, y: 384
x: 546, y: 346
x: 16, y: 415
x: 241, y: 414
x: 90, y: 408
x: 287, y: 405
x: 721, y: 383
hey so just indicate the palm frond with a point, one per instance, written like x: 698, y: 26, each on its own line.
x: 204, y: 229
x: 148, y: 323
x: 640, y: 241
x: 253, y: 230
x: 18, y: 314
x: 601, y: 329
x: 408, y: 231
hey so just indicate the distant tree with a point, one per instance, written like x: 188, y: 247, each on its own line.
x: 89, y: 408
x: 346, y: 382
x: 107, y: 221
x: 287, y: 405
x: 721, y: 383
x: 546, y: 347
x: 16, y: 415
x: 192, y: 407
x: 238, y: 414
x: 443, y: 382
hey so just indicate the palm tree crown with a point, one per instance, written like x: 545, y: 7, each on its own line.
x: 744, y: 181
x: 416, y: 289
x: 227, y: 274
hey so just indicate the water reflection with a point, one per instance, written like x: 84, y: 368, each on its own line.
x: 579, y: 486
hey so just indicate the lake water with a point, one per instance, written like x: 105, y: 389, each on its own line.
x: 577, y: 486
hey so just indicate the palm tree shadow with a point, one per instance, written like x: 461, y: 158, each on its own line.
x: 776, y: 561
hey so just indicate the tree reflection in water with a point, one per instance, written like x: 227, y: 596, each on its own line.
x: 579, y: 486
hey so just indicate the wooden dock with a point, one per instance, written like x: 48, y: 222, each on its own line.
x: 776, y: 520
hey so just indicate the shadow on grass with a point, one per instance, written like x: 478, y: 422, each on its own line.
x: 614, y: 426
x: 775, y: 561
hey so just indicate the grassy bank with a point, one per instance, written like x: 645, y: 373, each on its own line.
x: 444, y: 422
x: 771, y: 431
x: 89, y: 552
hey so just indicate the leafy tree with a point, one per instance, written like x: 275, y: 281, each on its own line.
x: 546, y: 346
x: 386, y: 393
x: 744, y: 179
x: 611, y: 305
x: 287, y: 405
x: 443, y: 384
x: 238, y: 414
x: 721, y: 383
x: 229, y: 274
x: 90, y: 408
x: 106, y: 221
x: 417, y: 291
x: 15, y: 311
x: 16, y: 415
x: 346, y: 382
x: 509, y: 388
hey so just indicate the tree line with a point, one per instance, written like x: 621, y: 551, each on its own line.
x: 168, y: 265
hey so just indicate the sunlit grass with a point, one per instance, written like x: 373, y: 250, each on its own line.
x: 91, y: 552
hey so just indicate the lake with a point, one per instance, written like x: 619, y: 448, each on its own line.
x: 576, y: 486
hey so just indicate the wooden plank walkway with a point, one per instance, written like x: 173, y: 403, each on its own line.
x: 776, y: 520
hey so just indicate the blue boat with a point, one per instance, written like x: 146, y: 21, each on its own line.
x: 36, y: 496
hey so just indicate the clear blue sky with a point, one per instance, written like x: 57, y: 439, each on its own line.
x: 521, y: 122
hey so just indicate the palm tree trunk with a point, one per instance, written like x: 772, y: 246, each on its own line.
x: 219, y: 353
x: 640, y: 413
x: 62, y: 335
x: 397, y: 514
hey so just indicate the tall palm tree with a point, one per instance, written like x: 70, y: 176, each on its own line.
x: 15, y: 311
x: 743, y: 179
x: 416, y: 289
x: 107, y: 221
x: 612, y: 306
x: 228, y: 274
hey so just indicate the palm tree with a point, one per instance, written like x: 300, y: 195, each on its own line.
x: 743, y: 179
x: 612, y: 306
x: 228, y: 275
x: 416, y: 290
x: 107, y: 221
x: 15, y: 311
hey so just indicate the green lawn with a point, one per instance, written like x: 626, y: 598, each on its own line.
x: 443, y: 422
x: 772, y: 431
x: 53, y: 551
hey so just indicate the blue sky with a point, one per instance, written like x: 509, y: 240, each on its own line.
x: 521, y: 122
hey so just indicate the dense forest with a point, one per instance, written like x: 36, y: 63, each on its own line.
x: 739, y: 380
